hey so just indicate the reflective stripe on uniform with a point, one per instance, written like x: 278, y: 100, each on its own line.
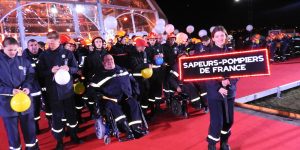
x: 79, y: 107
x: 33, y: 65
x: 158, y: 98
x: 168, y: 91
x: 85, y: 98
x: 112, y: 99
x: 225, y: 132
x: 72, y: 126
x: 37, y: 118
x: 195, y: 99
x: 91, y: 103
x: 6, y: 95
x: 135, y: 122
x: 12, y: 148
x: 151, y: 100
x: 44, y: 89
x: 174, y: 73
x: 48, y: 114
x: 120, y: 117
x: 99, y: 84
x: 36, y: 93
x: 203, y: 94
x: 63, y: 119
x: 57, y: 131
x: 31, y: 145
x: 137, y: 74
x: 215, y: 139
x: 144, y: 107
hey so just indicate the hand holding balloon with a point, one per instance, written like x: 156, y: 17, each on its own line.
x: 16, y: 91
x: 65, y: 67
x: 26, y: 91
x: 55, y: 69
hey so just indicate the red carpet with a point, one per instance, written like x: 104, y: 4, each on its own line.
x: 168, y: 133
x: 281, y: 73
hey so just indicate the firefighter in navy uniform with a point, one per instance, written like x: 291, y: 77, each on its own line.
x: 16, y: 76
x: 154, y: 50
x: 61, y: 97
x: 32, y: 54
x: 138, y: 62
x: 93, y: 65
x: 117, y: 89
x: 120, y: 52
x: 220, y: 93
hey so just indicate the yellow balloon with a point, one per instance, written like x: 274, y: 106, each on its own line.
x: 147, y: 73
x: 79, y: 88
x: 20, y: 102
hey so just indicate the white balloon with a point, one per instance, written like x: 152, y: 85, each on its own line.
x: 145, y: 32
x: 202, y: 33
x: 62, y: 77
x: 249, y: 27
x: 190, y: 29
x: 159, y: 29
x: 176, y: 31
x: 212, y: 29
x: 141, y: 34
x: 169, y: 28
x: 110, y: 22
x: 161, y: 22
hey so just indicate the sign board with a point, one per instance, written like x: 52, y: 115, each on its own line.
x: 225, y: 65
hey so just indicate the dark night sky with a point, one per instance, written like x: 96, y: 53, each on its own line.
x: 229, y: 13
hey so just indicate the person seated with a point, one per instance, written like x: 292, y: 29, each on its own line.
x: 195, y: 91
x: 117, y: 90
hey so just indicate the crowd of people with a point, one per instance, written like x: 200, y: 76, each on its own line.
x: 111, y: 74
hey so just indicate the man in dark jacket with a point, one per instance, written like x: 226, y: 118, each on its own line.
x: 31, y: 54
x: 116, y: 87
x: 16, y: 76
x: 60, y: 96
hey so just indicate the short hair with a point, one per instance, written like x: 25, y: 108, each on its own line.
x: 31, y: 40
x: 218, y: 28
x: 105, y: 55
x: 41, y: 43
x: 9, y: 41
x: 205, y: 38
x: 53, y: 35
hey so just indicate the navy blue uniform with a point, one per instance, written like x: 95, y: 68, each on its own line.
x: 36, y: 89
x: 117, y: 87
x: 16, y: 73
x: 60, y: 96
x: 218, y: 125
x: 138, y: 62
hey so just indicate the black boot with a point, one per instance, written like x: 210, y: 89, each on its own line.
x: 74, y: 138
x: 126, y: 128
x: 138, y: 131
x: 212, y: 147
x: 59, y: 145
x: 224, y: 141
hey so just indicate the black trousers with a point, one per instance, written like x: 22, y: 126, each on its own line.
x: 144, y: 92
x: 28, y: 129
x: 63, y: 109
x: 130, y: 104
x: 219, y: 128
x: 37, y: 107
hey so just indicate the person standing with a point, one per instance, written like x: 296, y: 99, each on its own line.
x: 221, y: 95
x: 61, y: 97
x: 16, y: 76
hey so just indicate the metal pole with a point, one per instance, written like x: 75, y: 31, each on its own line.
x: 21, y: 25
x: 133, y: 22
x: 75, y: 20
x: 100, y: 19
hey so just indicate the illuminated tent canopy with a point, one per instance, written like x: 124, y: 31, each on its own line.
x: 77, y: 18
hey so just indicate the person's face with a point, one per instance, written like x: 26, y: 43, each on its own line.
x: 123, y: 41
x: 206, y: 43
x: 140, y: 48
x: 70, y: 47
x: 104, y: 45
x: 172, y: 41
x: 219, y: 38
x: 11, y: 50
x: 91, y: 48
x: 33, y: 47
x: 152, y: 41
x: 108, y: 62
x: 53, y: 43
x: 98, y: 43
